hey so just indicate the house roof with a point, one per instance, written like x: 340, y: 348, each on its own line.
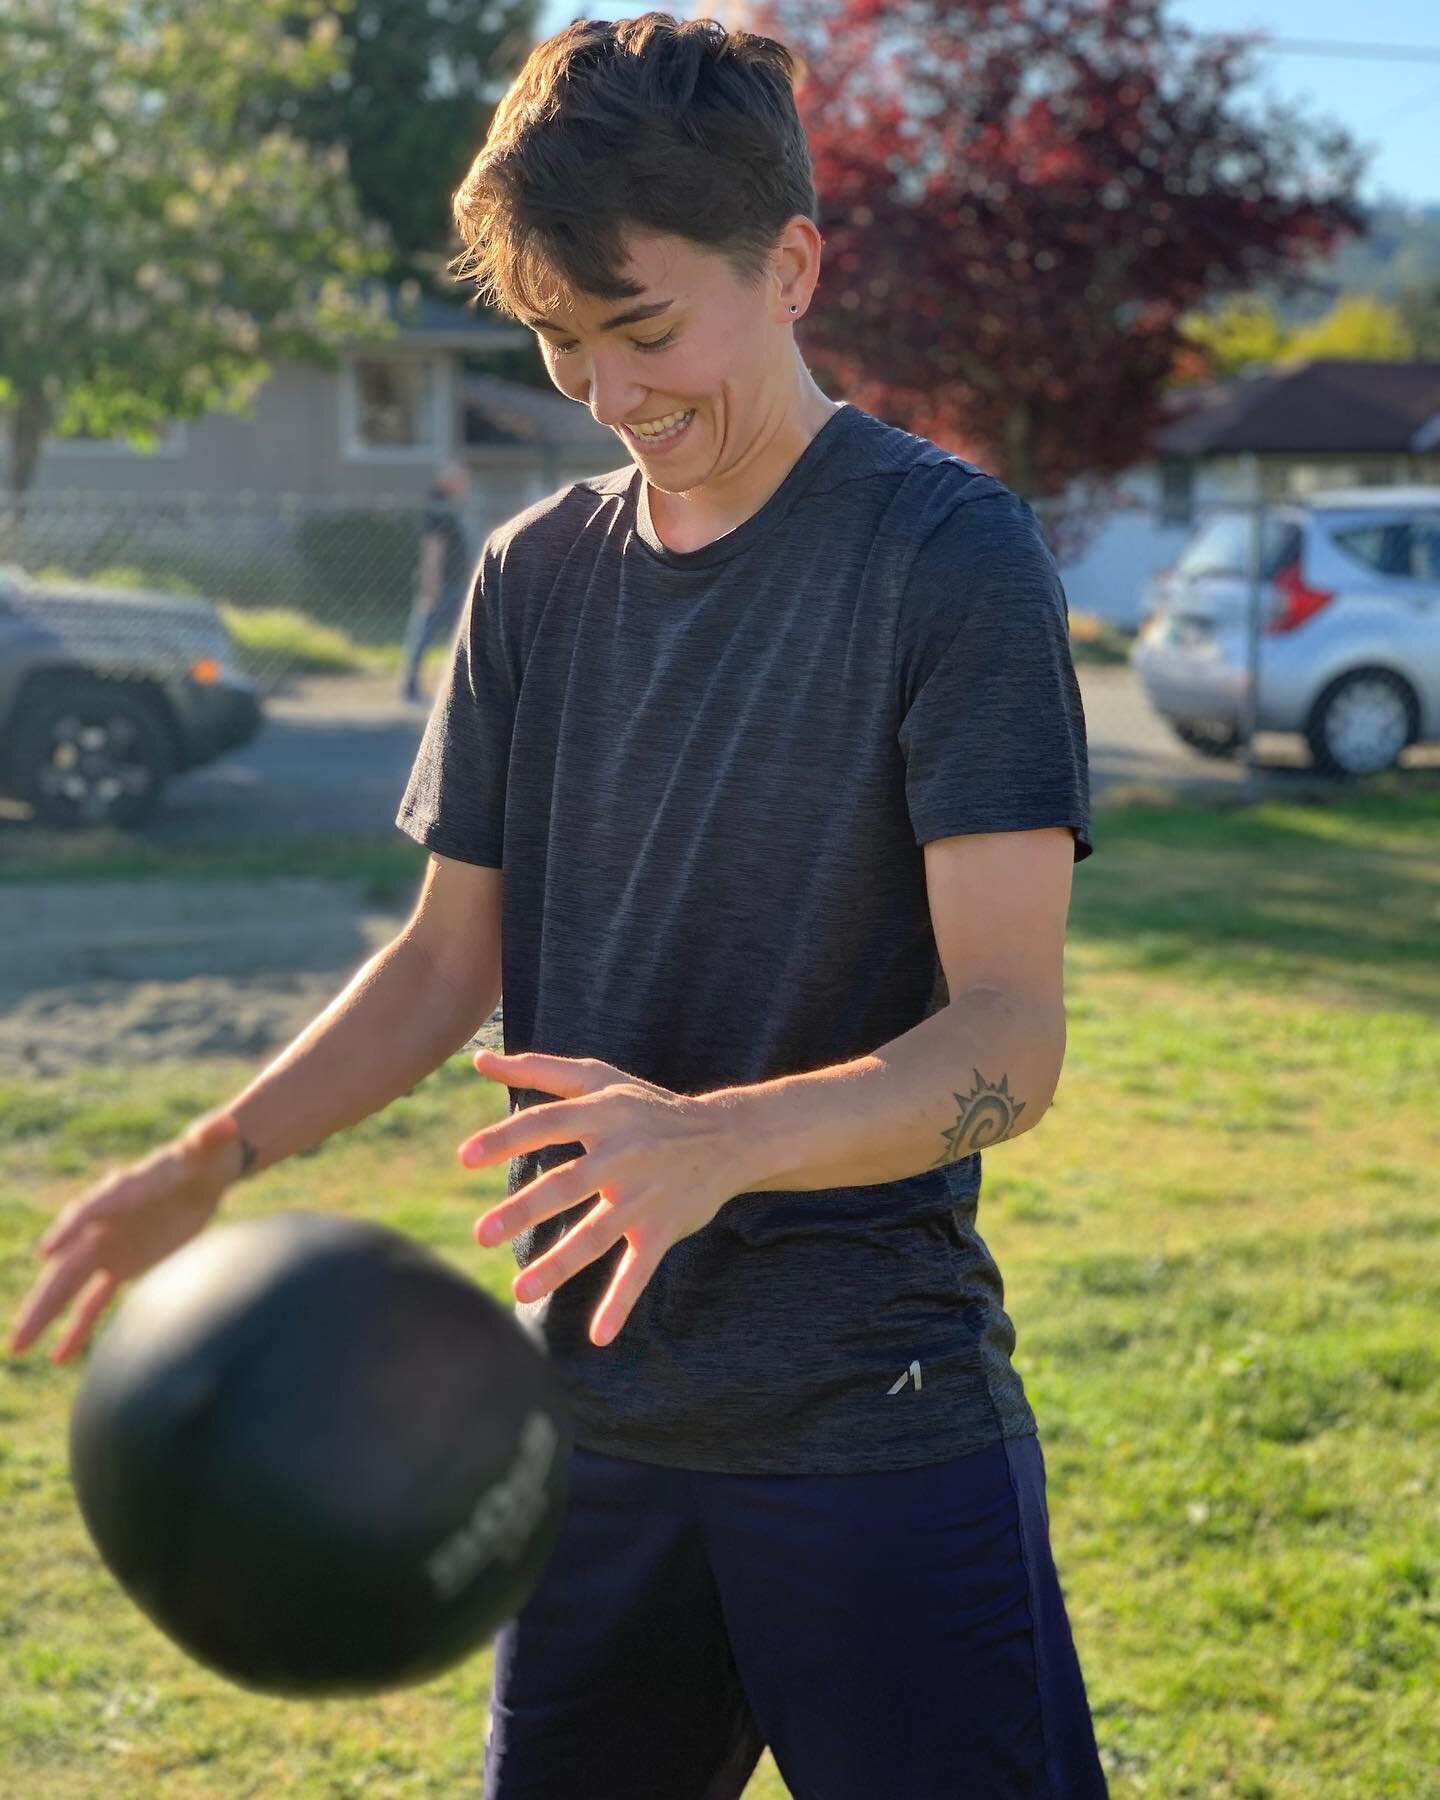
x: 1340, y: 406
x: 507, y: 412
x: 447, y: 324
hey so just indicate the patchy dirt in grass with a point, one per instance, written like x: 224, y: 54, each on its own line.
x: 152, y: 969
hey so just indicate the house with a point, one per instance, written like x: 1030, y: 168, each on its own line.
x: 1310, y: 425
x: 370, y: 432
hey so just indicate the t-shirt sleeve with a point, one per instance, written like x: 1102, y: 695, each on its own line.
x: 992, y: 728
x: 454, y: 801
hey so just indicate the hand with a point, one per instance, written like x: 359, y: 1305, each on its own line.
x: 127, y: 1222
x: 662, y: 1164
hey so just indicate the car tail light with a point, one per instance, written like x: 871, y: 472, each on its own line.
x: 1298, y: 600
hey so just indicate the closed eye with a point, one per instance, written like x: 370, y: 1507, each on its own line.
x: 639, y: 343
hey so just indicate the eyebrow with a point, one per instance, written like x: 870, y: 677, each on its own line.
x: 632, y: 317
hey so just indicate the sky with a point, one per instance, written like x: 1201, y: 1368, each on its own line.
x: 1392, y: 106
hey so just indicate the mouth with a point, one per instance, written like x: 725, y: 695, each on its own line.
x: 665, y: 441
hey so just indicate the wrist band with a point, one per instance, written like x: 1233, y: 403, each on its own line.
x: 249, y: 1155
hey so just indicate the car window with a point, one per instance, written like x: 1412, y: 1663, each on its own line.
x: 1385, y: 548
x: 1222, y: 546
x: 1425, y: 548
x: 1409, y: 548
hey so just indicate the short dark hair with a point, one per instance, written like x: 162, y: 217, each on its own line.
x: 669, y: 126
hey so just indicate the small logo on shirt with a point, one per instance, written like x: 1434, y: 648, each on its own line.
x: 911, y: 1374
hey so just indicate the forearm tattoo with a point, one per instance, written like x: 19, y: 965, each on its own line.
x: 987, y: 1114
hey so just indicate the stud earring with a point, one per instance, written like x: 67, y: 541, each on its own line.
x: 794, y: 308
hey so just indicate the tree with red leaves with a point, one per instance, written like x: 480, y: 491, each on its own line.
x: 1020, y: 199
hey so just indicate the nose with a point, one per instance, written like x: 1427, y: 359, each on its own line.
x: 613, y: 396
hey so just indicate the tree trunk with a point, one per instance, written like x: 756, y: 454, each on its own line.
x: 1019, y: 451
x: 28, y: 423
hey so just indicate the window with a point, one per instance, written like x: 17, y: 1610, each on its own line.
x: 390, y: 402
x: 1222, y: 547
x: 1425, y: 547
x: 1177, y: 490
x: 391, y: 407
x: 1409, y: 548
x: 1383, y: 548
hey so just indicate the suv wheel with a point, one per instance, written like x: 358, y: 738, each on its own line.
x: 86, y: 752
x: 1207, y: 736
x: 1362, y: 722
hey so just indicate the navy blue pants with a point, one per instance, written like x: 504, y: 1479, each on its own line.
x: 890, y: 1636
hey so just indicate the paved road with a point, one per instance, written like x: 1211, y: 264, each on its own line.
x: 331, y: 761
x: 333, y: 757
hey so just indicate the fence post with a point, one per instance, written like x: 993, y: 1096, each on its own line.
x: 1254, y: 565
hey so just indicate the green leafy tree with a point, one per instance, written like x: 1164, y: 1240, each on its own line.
x: 410, y: 102
x: 155, y: 255
x: 1420, y: 309
x: 1358, y: 326
x: 1249, y: 331
x: 1235, y: 336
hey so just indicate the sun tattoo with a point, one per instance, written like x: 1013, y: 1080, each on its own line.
x: 987, y: 1114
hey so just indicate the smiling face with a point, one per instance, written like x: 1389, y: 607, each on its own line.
x: 703, y: 360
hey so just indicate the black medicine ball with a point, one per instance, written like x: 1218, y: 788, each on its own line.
x: 319, y: 1458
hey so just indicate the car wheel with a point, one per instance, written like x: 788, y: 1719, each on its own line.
x: 86, y: 752
x: 1208, y: 737
x: 1361, y: 723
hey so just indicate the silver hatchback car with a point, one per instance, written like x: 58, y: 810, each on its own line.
x: 1349, y: 651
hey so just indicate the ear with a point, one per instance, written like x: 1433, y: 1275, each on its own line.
x: 796, y: 266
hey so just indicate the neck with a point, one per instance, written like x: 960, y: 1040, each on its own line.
x: 690, y: 520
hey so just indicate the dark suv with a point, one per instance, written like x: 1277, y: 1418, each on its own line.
x: 105, y: 693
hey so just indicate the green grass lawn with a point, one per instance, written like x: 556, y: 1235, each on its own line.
x: 1222, y: 1254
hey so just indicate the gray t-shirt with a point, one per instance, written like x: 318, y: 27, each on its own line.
x: 708, y: 776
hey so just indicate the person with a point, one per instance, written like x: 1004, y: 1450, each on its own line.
x: 756, y: 781
x: 445, y: 566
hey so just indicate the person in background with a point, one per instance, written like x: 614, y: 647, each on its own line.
x: 446, y: 560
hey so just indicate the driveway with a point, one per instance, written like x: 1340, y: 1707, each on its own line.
x: 331, y: 760
x: 334, y: 754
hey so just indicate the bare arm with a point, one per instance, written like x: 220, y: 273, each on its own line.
x: 394, y: 1024
x: 411, y: 1006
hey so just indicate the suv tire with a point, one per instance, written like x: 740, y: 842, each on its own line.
x: 86, y: 752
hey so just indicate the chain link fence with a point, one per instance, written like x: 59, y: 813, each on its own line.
x: 276, y: 595
x: 303, y: 585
